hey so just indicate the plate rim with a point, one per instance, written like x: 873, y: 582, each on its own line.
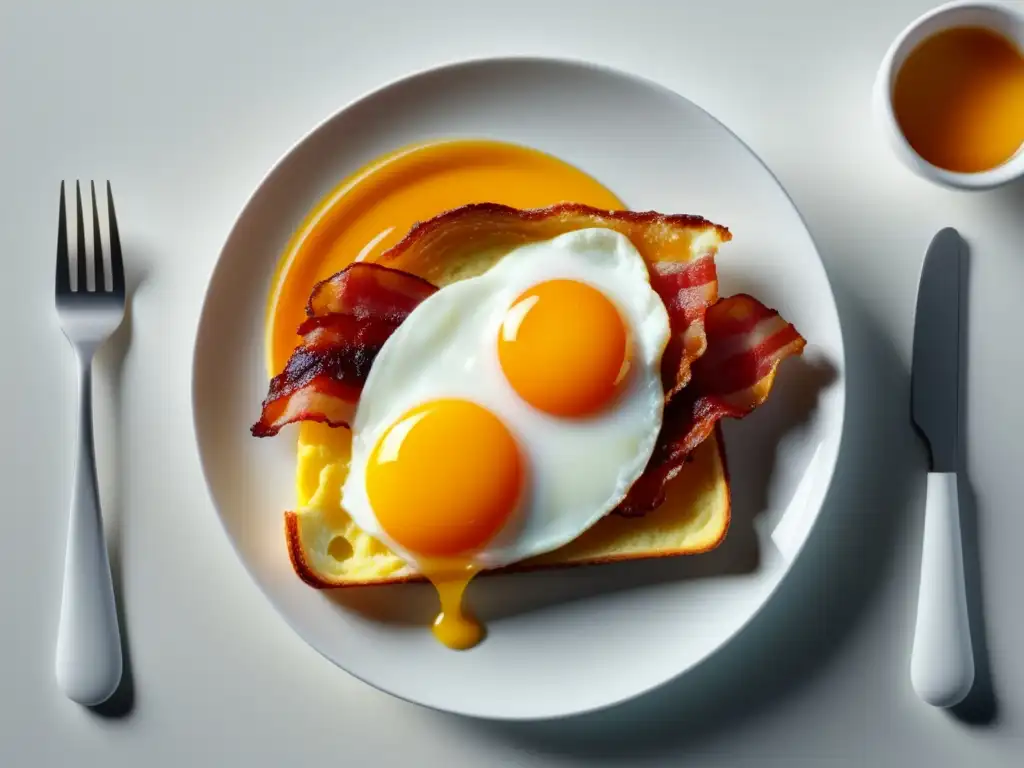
x: 453, y: 65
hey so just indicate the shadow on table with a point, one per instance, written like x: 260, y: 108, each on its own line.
x: 109, y: 364
x: 1009, y: 200
x: 981, y: 707
x: 828, y: 590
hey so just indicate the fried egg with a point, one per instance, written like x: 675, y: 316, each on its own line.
x: 510, y: 412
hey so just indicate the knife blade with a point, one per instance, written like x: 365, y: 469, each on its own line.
x: 935, y: 371
x: 942, y: 658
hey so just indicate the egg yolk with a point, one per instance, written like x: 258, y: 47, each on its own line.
x: 454, y: 627
x: 564, y: 348
x: 442, y: 481
x: 444, y: 478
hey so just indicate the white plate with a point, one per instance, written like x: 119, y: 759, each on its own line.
x: 559, y: 642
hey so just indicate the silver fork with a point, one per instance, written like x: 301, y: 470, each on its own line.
x: 88, y: 661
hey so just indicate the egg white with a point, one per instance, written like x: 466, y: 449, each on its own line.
x: 577, y: 470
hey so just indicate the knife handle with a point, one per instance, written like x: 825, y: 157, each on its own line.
x: 942, y: 661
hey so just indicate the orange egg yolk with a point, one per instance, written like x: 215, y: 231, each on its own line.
x: 444, y: 478
x: 564, y: 348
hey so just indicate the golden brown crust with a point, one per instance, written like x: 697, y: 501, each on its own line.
x: 298, y: 556
x: 306, y: 572
x: 570, y: 212
x: 434, y: 247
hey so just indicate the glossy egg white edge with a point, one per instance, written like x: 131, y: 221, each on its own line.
x: 577, y: 470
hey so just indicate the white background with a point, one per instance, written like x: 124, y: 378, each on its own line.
x: 184, y: 108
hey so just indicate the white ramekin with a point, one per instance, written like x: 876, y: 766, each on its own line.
x: 1005, y: 18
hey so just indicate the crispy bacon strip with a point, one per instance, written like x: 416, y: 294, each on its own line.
x: 746, y: 341
x: 679, y: 251
x: 351, y: 315
x: 688, y: 290
x: 366, y: 290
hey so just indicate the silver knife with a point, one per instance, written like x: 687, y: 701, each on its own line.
x: 942, y: 661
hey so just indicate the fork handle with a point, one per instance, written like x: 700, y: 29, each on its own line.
x: 88, y: 661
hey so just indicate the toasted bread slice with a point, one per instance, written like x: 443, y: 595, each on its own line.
x: 327, y: 549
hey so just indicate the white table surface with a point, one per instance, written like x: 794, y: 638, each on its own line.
x: 185, y: 107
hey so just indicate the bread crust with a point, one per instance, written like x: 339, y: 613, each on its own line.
x: 424, y: 229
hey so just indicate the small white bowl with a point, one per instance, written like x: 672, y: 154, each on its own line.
x: 1007, y: 21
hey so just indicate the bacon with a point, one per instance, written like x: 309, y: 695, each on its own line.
x: 366, y: 290
x: 679, y: 251
x: 687, y: 290
x: 352, y: 313
x: 746, y: 341
x: 350, y: 316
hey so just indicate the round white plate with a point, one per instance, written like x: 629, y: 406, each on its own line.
x: 559, y: 642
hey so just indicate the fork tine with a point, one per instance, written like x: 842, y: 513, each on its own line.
x: 116, y: 265
x: 97, y: 244
x: 80, y: 250
x: 63, y: 261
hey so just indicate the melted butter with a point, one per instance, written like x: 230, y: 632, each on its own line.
x: 454, y: 627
